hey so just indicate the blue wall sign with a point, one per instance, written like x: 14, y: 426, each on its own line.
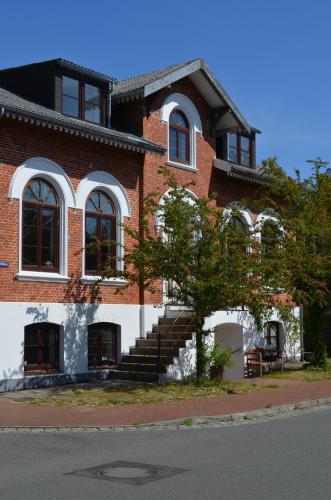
x: 4, y: 263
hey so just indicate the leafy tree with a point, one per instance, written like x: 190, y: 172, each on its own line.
x: 212, y: 261
x: 302, y: 209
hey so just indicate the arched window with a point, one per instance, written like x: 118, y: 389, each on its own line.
x: 40, y: 227
x: 41, y: 347
x: 100, y: 233
x: 179, y: 137
x: 270, y: 237
x: 102, y: 345
x: 237, y: 236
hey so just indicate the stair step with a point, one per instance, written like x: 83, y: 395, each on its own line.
x: 174, y: 328
x: 170, y: 336
x: 179, y: 321
x: 142, y: 367
x: 147, y: 359
x: 164, y: 343
x: 153, y: 351
x: 134, y: 376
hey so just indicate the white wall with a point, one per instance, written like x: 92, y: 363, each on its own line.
x: 74, y: 319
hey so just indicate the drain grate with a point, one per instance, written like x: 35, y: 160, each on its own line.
x: 129, y: 472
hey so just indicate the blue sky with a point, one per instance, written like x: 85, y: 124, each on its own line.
x: 273, y: 57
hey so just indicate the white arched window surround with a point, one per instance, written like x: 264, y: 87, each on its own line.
x: 52, y: 172
x: 191, y: 198
x: 103, y: 181
x: 184, y: 104
x: 267, y: 216
x: 235, y: 209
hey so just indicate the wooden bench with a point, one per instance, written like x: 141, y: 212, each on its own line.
x: 256, y: 364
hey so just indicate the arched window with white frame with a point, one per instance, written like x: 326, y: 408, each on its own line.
x: 105, y: 205
x: 45, y: 194
x: 184, y: 123
x: 100, y: 233
x: 40, y: 226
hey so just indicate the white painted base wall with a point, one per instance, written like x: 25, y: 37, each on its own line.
x: 134, y: 320
x: 74, y: 319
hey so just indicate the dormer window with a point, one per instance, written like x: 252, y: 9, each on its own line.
x: 81, y: 100
x: 235, y: 148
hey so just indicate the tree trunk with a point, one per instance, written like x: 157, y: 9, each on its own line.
x: 200, y: 351
x: 314, y: 329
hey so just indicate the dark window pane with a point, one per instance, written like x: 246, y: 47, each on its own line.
x: 41, y: 345
x: 245, y: 159
x: 91, y: 262
x: 244, y: 143
x: 48, y: 257
x: 30, y: 216
x: 70, y: 87
x: 92, y: 104
x: 105, y: 204
x: 105, y: 260
x: 92, y: 94
x: 30, y: 256
x: 92, y: 113
x: 233, y: 155
x: 105, y: 229
x: 44, y: 188
x: 70, y: 106
x: 173, y: 143
x: 29, y: 195
x: 182, y: 146
x: 35, y: 187
x: 48, y: 238
x: 91, y: 229
x: 103, y: 351
x: 232, y: 138
x: 178, y: 119
x: 31, y: 337
x: 50, y: 199
x: 30, y: 236
x: 30, y: 356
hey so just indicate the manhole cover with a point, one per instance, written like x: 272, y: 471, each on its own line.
x: 129, y: 472
x: 121, y: 472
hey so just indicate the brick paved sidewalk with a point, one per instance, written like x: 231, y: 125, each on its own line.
x: 20, y: 414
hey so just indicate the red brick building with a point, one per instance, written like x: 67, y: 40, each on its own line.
x: 78, y: 153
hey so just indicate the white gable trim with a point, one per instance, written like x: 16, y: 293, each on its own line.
x: 178, y: 74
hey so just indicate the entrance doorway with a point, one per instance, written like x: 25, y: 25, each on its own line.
x: 231, y: 335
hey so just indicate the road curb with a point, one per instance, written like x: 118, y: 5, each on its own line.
x: 252, y: 416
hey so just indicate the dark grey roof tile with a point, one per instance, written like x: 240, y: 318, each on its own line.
x: 16, y: 104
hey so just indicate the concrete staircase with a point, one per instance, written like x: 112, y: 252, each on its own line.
x: 143, y: 364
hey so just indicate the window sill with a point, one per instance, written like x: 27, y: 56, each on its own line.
x: 40, y: 276
x: 183, y: 166
x: 90, y: 280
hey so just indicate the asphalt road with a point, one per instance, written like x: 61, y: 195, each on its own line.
x: 289, y: 458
